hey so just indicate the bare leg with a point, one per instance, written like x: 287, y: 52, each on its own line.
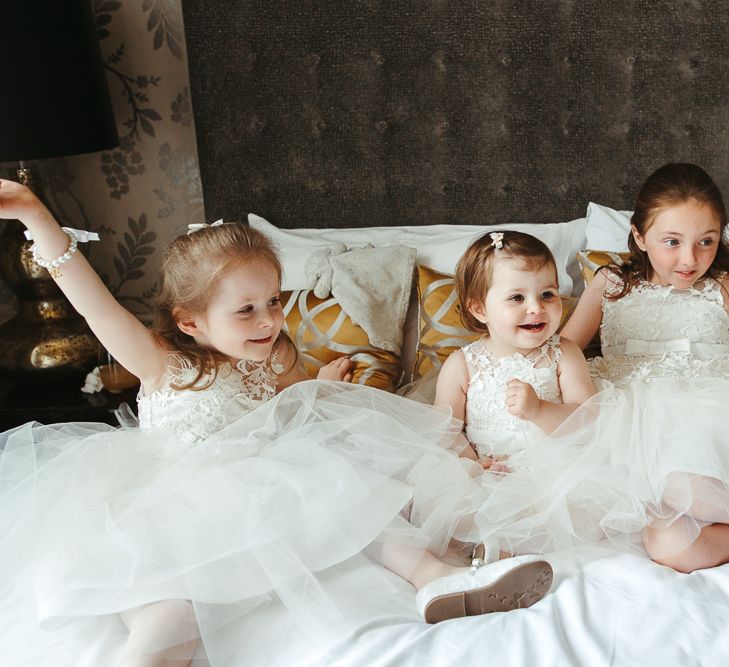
x: 161, y: 634
x: 418, y: 566
x: 709, y: 549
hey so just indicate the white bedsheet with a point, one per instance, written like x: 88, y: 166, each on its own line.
x: 605, y: 608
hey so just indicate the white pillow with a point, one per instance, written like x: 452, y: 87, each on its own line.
x: 438, y: 246
x: 607, y: 229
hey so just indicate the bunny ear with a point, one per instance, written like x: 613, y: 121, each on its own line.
x: 319, y: 273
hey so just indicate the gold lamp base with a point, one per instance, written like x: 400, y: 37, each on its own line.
x: 47, y: 340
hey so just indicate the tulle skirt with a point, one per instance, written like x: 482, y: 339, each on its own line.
x: 650, y: 454
x: 97, y: 520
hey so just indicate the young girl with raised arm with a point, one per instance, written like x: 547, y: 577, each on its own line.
x: 231, y: 490
x: 664, y: 330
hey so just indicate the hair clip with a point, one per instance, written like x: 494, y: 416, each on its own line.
x: 197, y: 226
x: 496, y: 240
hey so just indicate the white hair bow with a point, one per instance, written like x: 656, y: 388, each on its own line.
x: 496, y: 240
x: 197, y: 226
x: 81, y: 234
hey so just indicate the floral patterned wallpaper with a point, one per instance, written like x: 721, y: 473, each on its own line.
x: 142, y: 194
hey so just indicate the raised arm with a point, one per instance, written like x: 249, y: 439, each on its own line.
x: 585, y: 320
x: 122, y: 334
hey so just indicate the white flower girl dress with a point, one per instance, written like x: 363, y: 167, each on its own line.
x: 230, y: 497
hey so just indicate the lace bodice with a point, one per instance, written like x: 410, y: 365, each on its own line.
x: 194, y: 415
x: 661, y: 331
x: 489, y: 425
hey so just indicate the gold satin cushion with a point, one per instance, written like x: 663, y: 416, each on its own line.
x: 441, y: 328
x: 592, y: 260
x: 322, y: 332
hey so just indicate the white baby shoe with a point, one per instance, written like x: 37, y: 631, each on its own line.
x: 511, y: 583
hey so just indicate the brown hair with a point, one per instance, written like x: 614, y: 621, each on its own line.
x: 475, y: 269
x: 192, y: 266
x: 671, y: 185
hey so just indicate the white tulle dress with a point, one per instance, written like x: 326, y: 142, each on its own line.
x: 650, y: 449
x: 231, y: 497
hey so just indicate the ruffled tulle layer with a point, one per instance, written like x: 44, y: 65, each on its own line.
x: 99, y: 520
x: 648, y: 454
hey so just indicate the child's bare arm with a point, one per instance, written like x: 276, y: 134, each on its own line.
x: 339, y: 369
x: 452, y: 385
x: 122, y: 334
x: 585, y: 320
x: 450, y: 392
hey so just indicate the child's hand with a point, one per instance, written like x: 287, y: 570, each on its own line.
x: 494, y: 464
x: 19, y: 202
x: 339, y: 369
x: 521, y: 400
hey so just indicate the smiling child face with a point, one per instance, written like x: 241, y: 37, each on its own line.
x: 522, y: 307
x: 244, y: 318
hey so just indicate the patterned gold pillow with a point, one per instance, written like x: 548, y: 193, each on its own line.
x: 592, y: 260
x: 441, y: 328
x: 322, y: 332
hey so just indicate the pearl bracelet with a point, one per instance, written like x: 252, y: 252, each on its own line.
x: 53, y: 265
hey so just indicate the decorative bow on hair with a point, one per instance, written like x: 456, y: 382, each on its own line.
x: 197, y: 226
x: 496, y: 240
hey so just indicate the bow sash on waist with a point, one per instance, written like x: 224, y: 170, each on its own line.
x: 634, y: 346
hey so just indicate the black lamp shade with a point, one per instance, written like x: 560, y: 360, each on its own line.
x: 54, y: 100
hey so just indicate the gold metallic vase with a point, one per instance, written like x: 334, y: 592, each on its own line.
x: 47, y: 340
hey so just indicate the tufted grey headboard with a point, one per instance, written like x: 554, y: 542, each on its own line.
x: 320, y: 113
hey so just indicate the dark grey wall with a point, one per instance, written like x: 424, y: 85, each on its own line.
x: 345, y: 113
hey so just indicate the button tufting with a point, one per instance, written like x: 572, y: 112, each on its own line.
x: 377, y: 57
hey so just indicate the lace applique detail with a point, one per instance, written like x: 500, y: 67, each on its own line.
x: 489, y: 425
x: 260, y: 380
x: 195, y: 414
x: 661, y: 331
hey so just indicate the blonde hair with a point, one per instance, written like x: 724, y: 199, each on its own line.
x: 192, y: 267
x: 474, y: 271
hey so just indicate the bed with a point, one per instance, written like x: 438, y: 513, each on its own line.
x: 423, y: 124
